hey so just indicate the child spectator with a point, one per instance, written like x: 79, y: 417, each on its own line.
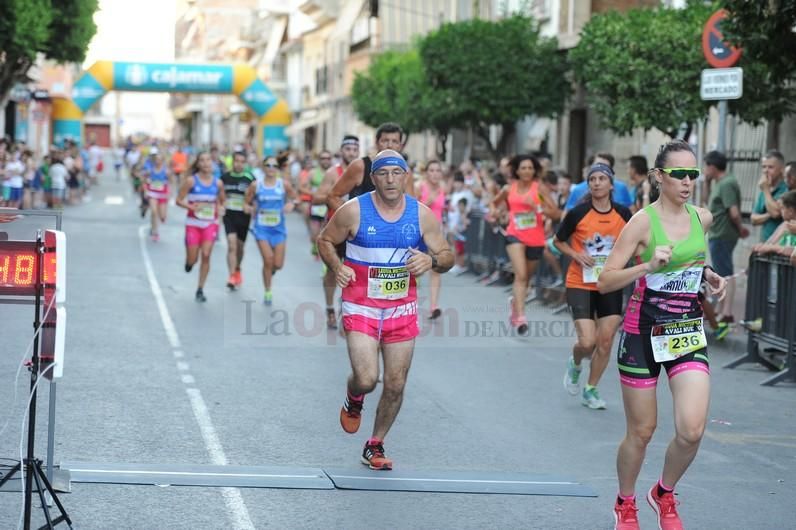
x: 58, y: 179
x: 783, y: 240
x: 457, y: 224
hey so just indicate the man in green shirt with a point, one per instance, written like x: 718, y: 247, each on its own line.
x: 725, y: 205
x: 772, y: 186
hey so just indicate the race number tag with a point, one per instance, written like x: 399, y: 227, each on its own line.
x: 388, y: 283
x: 590, y: 274
x: 319, y: 210
x: 206, y: 211
x: 269, y: 217
x: 157, y: 185
x: 675, y: 339
x: 525, y: 221
x: 235, y: 202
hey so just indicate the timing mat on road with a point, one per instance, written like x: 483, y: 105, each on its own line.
x: 500, y: 483
x: 200, y: 475
x: 494, y: 482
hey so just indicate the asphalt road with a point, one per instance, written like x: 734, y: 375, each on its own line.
x: 233, y: 382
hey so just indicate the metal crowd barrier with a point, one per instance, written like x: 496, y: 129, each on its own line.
x: 486, y: 250
x: 771, y: 317
x: 486, y: 255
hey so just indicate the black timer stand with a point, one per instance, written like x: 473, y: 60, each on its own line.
x: 32, y: 465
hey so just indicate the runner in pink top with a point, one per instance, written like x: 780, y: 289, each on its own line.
x: 525, y: 240
x: 432, y: 193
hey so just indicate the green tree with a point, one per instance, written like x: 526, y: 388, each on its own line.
x: 496, y: 73
x: 58, y: 29
x: 394, y: 88
x: 642, y: 68
x: 764, y: 30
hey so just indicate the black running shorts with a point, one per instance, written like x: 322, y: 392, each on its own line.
x: 237, y: 223
x: 585, y: 304
x: 531, y: 253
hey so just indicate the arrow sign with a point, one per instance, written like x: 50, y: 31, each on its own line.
x: 718, y: 53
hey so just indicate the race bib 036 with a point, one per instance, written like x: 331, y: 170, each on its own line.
x: 388, y: 283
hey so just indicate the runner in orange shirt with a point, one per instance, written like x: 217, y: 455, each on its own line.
x: 587, y: 235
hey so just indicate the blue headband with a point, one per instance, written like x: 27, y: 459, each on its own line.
x: 389, y: 161
x: 601, y: 168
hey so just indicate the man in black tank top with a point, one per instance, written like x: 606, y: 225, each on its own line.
x: 356, y: 178
x: 236, y: 221
x: 366, y: 186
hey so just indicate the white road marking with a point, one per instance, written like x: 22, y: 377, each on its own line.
x: 165, y: 317
x: 232, y: 496
x: 114, y: 200
x: 183, y: 366
x: 239, y: 514
x: 179, y: 354
x: 188, y: 379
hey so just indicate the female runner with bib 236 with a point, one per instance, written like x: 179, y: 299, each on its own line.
x: 663, y: 328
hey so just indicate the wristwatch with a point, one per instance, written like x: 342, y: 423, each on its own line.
x: 433, y: 262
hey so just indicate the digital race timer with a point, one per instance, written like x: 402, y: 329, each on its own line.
x: 19, y: 266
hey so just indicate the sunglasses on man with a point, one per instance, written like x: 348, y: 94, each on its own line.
x: 680, y: 173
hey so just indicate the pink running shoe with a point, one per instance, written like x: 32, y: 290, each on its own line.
x: 665, y: 508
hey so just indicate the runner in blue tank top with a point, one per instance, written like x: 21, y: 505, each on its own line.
x: 266, y: 203
x: 663, y: 328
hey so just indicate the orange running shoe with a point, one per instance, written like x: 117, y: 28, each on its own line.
x: 625, y: 515
x: 237, y: 279
x: 373, y: 456
x: 351, y: 414
x: 231, y: 281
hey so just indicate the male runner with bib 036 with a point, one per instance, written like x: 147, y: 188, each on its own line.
x: 663, y: 328
x: 203, y: 196
x: 385, y: 232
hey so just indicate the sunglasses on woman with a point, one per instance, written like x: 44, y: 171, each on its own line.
x: 680, y: 173
x: 272, y: 166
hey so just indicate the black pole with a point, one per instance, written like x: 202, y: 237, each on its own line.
x: 29, y: 464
